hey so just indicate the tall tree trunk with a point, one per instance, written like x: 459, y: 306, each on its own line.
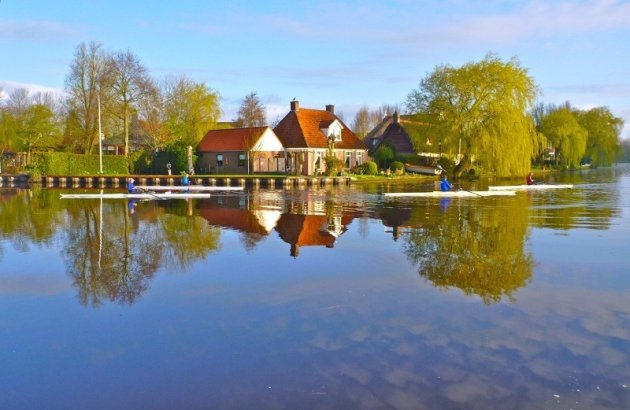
x: 126, y: 122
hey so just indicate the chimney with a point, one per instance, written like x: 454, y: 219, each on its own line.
x: 396, y: 118
x: 330, y: 108
x: 295, y: 105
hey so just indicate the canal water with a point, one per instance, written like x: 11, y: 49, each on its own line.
x: 319, y: 298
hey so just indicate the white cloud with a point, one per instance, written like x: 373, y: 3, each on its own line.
x: 7, y: 87
x: 34, y: 30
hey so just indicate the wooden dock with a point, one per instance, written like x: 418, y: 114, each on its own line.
x: 165, y: 180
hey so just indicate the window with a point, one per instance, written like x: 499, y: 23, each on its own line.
x: 336, y: 134
x: 317, y: 165
x: 219, y: 160
x: 359, y: 158
x: 348, y: 157
x: 241, y: 160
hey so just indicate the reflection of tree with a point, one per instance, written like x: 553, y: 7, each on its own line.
x: 188, y: 239
x: 117, y: 259
x: 594, y: 209
x: 26, y: 217
x: 479, y: 249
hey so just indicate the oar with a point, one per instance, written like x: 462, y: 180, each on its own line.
x: 465, y: 190
x: 142, y: 190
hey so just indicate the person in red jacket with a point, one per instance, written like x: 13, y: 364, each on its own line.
x: 530, y: 179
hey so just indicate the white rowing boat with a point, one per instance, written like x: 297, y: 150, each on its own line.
x: 139, y: 195
x: 191, y: 188
x: 450, y: 194
x: 535, y: 187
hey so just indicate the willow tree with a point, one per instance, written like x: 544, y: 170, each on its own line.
x: 481, y: 110
x: 603, y: 145
x: 566, y: 135
x: 191, y: 109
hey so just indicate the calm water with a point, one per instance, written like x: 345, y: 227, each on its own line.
x: 319, y: 298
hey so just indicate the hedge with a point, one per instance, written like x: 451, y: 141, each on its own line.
x: 61, y: 163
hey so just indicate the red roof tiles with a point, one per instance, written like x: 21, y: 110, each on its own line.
x: 232, y: 139
x: 302, y: 129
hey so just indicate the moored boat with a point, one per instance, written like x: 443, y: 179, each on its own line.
x: 424, y: 169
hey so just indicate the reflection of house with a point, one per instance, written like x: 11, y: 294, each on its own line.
x: 399, y: 132
x: 311, y: 230
x: 241, y: 151
x: 306, y: 134
x: 234, y: 213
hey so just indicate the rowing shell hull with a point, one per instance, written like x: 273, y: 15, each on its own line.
x: 450, y: 194
x: 135, y: 196
x: 528, y: 187
x: 192, y: 188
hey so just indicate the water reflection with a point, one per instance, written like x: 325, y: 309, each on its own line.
x: 478, y: 249
x: 225, y: 321
x: 112, y: 251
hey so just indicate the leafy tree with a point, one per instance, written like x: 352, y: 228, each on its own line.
x: 384, y: 155
x: 30, y: 121
x: 568, y: 137
x: 191, y: 109
x: 603, y: 145
x: 252, y: 112
x: 625, y: 150
x: 482, y: 107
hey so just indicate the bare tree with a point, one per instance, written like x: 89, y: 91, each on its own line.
x: 252, y: 113
x: 87, y: 77
x: 361, y: 124
x: 130, y: 84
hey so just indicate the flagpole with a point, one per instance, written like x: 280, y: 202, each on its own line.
x: 100, y: 137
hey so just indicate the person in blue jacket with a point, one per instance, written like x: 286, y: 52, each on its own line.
x: 130, y: 187
x: 186, y: 181
x: 445, y: 185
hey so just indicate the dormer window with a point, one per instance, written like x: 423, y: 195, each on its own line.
x: 332, y: 130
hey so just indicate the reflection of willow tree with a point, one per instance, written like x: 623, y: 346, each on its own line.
x: 116, y: 260
x: 594, y: 210
x: 190, y: 238
x: 477, y: 249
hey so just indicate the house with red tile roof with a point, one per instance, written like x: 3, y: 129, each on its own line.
x: 306, y: 134
x: 241, y: 151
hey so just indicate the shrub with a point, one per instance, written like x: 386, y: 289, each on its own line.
x: 369, y: 168
x: 333, y: 166
x: 397, y: 167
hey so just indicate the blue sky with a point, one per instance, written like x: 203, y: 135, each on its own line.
x: 346, y: 53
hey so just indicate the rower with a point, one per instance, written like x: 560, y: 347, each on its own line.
x: 530, y: 179
x: 130, y: 187
x: 445, y: 185
x: 186, y: 181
